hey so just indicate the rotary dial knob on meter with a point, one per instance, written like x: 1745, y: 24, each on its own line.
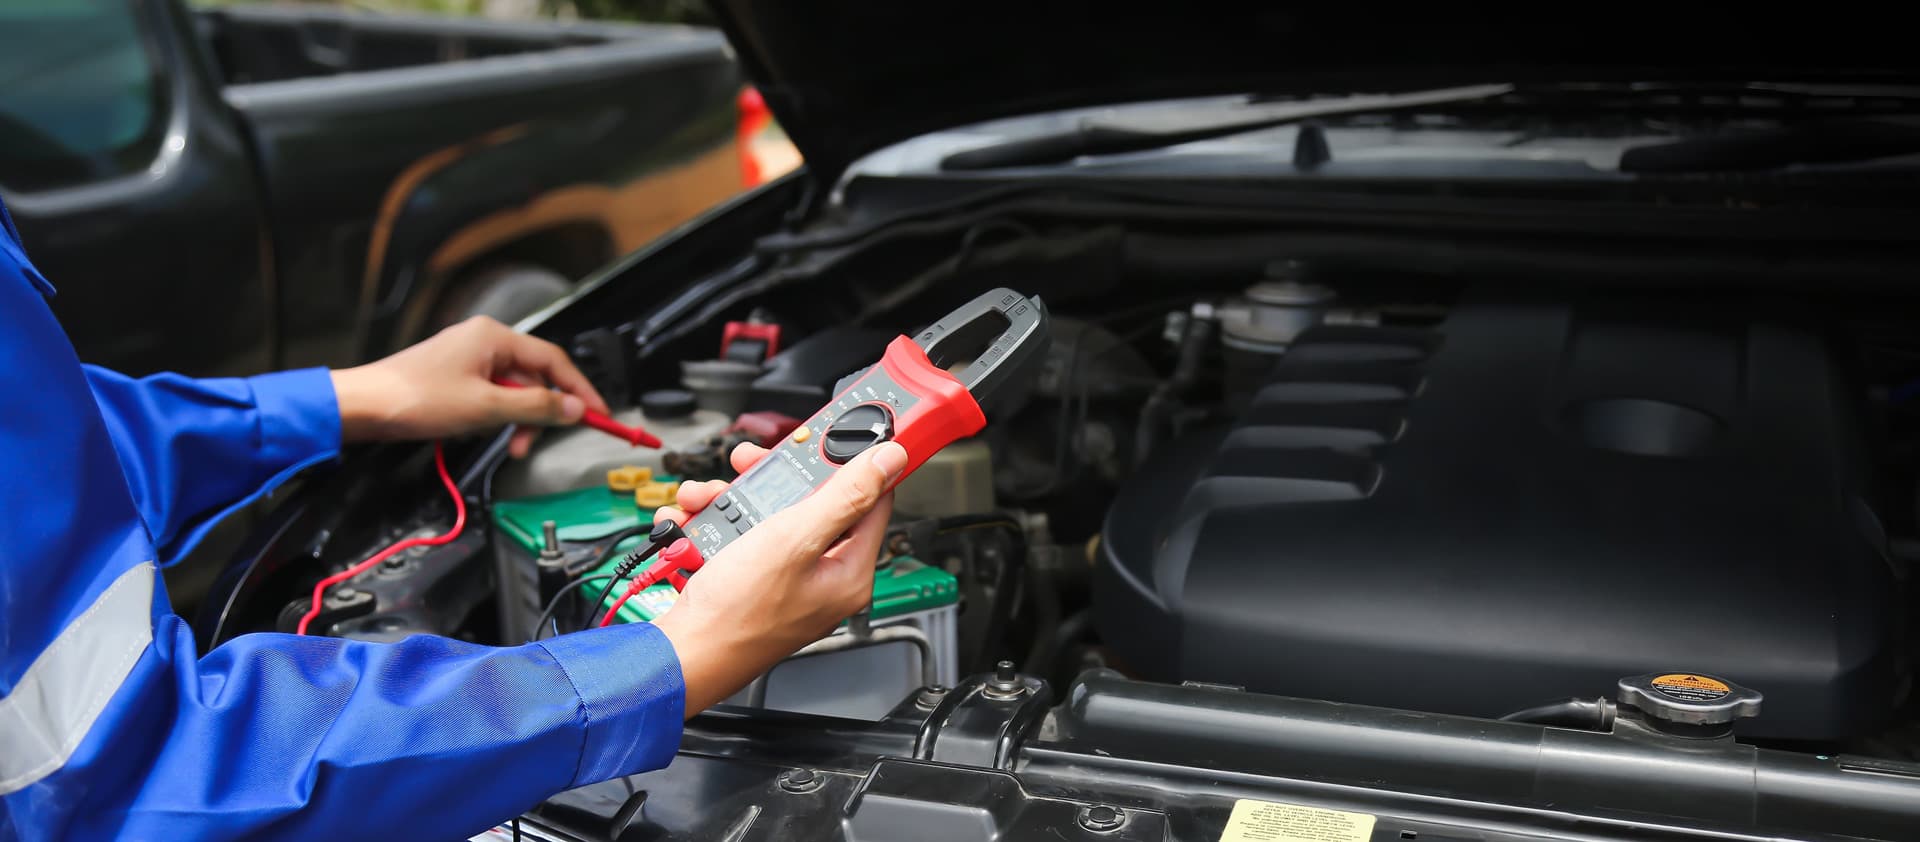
x: 854, y: 431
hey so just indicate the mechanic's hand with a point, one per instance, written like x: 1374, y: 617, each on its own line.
x: 786, y: 583
x: 444, y: 386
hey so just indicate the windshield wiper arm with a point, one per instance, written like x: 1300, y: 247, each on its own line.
x: 1827, y: 142
x: 1096, y: 139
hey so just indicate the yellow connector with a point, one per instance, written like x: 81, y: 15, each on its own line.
x: 627, y: 478
x: 653, y: 495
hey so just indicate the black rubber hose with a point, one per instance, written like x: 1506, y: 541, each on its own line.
x: 1043, y: 661
x: 956, y: 523
x: 1012, y: 570
x: 1005, y: 580
x: 1585, y: 714
x: 1045, y: 594
x: 1153, y: 415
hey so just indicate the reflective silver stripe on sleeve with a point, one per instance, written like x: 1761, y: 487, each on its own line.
x: 43, y: 720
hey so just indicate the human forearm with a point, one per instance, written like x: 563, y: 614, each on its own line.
x: 716, y: 657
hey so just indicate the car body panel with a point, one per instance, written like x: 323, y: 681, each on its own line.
x: 331, y: 213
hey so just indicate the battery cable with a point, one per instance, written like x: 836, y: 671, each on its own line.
x: 459, y: 525
x: 553, y: 605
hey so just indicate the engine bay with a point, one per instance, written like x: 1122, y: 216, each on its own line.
x: 1468, y: 502
x: 1322, y: 471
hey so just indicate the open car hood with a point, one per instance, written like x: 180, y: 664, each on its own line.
x: 847, y: 78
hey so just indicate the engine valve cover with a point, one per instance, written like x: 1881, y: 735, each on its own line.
x: 1526, y: 503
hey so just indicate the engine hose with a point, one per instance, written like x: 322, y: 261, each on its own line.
x: 1050, y: 644
x: 1194, y: 338
x: 956, y: 523
x: 1584, y: 714
x: 1011, y: 572
x: 1044, y: 593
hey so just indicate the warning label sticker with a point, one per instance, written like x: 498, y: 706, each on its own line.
x: 1691, y: 688
x: 1266, y: 821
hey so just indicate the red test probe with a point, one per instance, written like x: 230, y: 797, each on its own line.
x: 676, y: 561
x: 635, y: 436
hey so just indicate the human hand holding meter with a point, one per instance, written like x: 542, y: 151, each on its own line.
x: 831, y: 474
x: 786, y: 583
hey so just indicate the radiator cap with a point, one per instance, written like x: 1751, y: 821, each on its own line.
x: 1689, y: 698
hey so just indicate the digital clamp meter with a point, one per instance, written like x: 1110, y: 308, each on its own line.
x: 925, y: 393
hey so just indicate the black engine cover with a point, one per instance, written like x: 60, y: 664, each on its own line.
x: 1522, y: 505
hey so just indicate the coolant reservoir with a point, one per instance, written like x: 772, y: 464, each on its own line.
x: 575, y: 457
x: 956, y: 480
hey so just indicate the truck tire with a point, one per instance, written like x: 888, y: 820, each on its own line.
x: 507, y: 292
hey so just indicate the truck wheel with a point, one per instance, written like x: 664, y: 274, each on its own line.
x: 508, y: 292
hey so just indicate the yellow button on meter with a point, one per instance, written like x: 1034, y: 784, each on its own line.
x: 802, y: 434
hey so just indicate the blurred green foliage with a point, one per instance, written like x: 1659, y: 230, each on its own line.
x: 670, y: 11
x: 445, y: 7
x: 664, y: 11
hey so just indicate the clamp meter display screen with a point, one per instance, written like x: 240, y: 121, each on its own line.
x: 773, y: 487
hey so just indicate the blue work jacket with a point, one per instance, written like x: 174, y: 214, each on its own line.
x: 113, y: 726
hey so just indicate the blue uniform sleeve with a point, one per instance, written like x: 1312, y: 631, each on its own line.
x: 195, y: 450
x: 112, y: 726
x: 282, y: 737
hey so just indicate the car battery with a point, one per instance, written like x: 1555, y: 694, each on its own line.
x: 907, y: 640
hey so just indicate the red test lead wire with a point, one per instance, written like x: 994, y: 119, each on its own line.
x: 675, y: 562
x: 635, y: 436
x: 640, y: 584
x: 459, y: 524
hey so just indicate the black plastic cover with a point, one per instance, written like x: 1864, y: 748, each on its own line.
x: 1525, y: 504
x: 1126, y: 760
x: 801, y: 378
